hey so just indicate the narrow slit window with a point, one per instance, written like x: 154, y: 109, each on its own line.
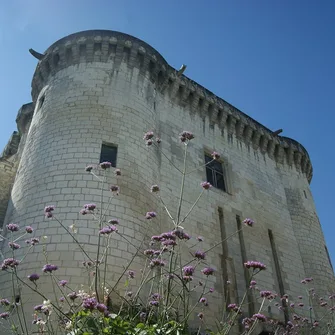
x: 108, y: 153
x: 215, y: 173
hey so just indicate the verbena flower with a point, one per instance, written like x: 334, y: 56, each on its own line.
x: 248, y: 322
x: 34, y: 277
x: 89, y: 168
x: 150, y: 215
x: 9, y: 263
x: 200, y: 238
x: 188, y: 270
x: 131, y: 274
x: 49, y: 268
x: 149, y: 142
x: 154, y: 188
x: 49, y: 209
x: 117, y: 172
x: 107, y: 230
x: 253, y: 283
x: 115, y: 189
x: 203, y: 300
x: 187, y: 278
x: 154, y: 303
x: 143, y: 316
x: 200, y: 254
x: 206, y: 185
x: 248, y: 222
x: 62, y: 282
x: 29, y: 229
x: 148, y: 135
x: 101, y: 308
x: 4, y: 315
x: 181, y: 234
x: 156, y: 262
x: 158, y: 140
x: 215, y: 155
x: 149, y: 252
x: 306, y: 280
x: 186, y: 136
x: 208, y: 271
x: 34, y: 240
x: 255, y: 265
x: 13, y: 227
x: 105, y: 165
x: 201, y: 315
x: 268, y: 294
x: 90, y: 303
x: 233, y: 307
x: 90, y: 207
x: 14, y: 245
x: 4, y: 302
x: 84, y: 211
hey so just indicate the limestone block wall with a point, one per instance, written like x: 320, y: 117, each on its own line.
x: 99, y: 87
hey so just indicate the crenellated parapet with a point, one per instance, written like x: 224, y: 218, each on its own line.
x: 115, y: 47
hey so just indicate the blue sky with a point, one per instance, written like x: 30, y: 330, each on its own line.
x: 274, y: 60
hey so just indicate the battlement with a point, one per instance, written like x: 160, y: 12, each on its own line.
x: 115, y: 47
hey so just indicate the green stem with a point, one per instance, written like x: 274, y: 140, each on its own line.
x: 182, y: 186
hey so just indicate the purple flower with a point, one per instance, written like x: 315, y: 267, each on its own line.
x: 233, y: 307
x: 89, y: 168
x: 14, y: 245
x: 306, y: 280
x: 90, y: 207
x: 143, y: 316
x: 101, y: 308
x: 148, y: 135
x: 169, y: 243
x: 323, y: 304
x: 49, y: 209
x: 61, y: 299
x: 107, y: 230
x: 259, y: 317
x: 188, y: 270
x: 203, y: 300
x: 113, y: 221
x: 200, y: 254
x: 34, y: 240
x: 299, y: 296
x: 181, y: 235
x: 158, y: 140
x: 215, y: 155
x: 149, y: 142
x: 4, y: 302
x: 200, y: 238
x: 201, y: 315
x: 13, y: 227
x: 4, y: 315
x: 73, y: 295
x: 105, y: 165
x: 115, y: 189
x: 90, y: 303
x: 83, y: 212
x: 49, y: 268
x: 255, y: 265
x: 206, y: 185
x: 154, y: 303
x: 247, y: 322
x: 38, y: 308
x: 301, y: 304
x: 248, y: 222
x: 62, y: 282
x: 9, y: 263
x: 156, y: 262
x: 150, y: 215
x: 149, y: 252
x: 29, y: 229
x: 211, y: 290
x: 131, y: 274
x: 268, y: 294
x: 207, y: 271
x: 292, y: 305
x: 34, y: 277
x: 253, y: 283
x: 186, y: 136
x: 154, y: 188
x: 117, y: 172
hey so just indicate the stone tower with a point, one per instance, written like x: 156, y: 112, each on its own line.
x: 98, y: 87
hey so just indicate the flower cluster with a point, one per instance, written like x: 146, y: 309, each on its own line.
x: 156, y: 262
x: 255, y: 265
x: 33, y: 277
x: 105, y: 165
x: 9, y: 263
x: 150, y: 215
x: 206, y: 185
x: 107, y: 230
x: 200, y: 254
x: 13, y: 227
x: 248, y: 222
x: 186, y: 136
x: 49, y: 268
x: 208, y: 271
x: 268, y: 294
x: 48, y: 211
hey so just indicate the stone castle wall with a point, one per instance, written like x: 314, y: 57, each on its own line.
x: 102, y: 86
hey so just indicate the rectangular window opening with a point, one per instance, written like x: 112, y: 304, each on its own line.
x: 108, y: 153
x: 215, y: 173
